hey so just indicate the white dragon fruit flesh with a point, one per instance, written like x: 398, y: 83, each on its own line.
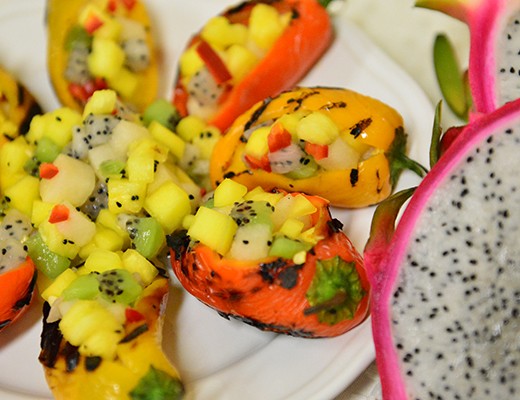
x: 494, y: 59
x: 446, y: 282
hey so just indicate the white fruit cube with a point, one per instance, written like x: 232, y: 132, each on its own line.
x: 73, y: 183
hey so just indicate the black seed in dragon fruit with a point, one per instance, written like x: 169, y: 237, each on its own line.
x: 96, y: 130
x: 77, y: 66
x: 97, y: 201
x: 14, y: 229
x: 137, y: 54
x: 446, y: 283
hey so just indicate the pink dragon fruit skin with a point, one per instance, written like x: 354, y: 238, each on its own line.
x: 494, y: 62
x: 446, y: 283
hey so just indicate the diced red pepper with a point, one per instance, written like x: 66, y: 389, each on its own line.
x: 278, y: 138
x: 129, y: 4
x: 48, y: 170
x: 256, y: 163
x: 213, y: 62
x: 318, y: 151
x: 112, y: 6
x: 92, y: 23
x: 78, y: 92
x: 59, y: 213
x: 132, y: 315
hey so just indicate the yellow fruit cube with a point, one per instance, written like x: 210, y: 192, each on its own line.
x: 102, y: 343
x: 40, y: 212
x: 189, y: 127
x: 228, y: 192
x: 23, y: 193
x: 124, y: 82
x: 56, y: 242
x: 106, y: 58
x: 134, y: 262
x: 109, y: 220
x: 169, y: 204
x: 206, y: 141
x: 54, y: 290
x: 256, y: 145
x: 101, y: 102
x: 125, y: 196
x: 167, y: 138
x: 219, y: 32
x: 266, y: 25
x: 214, y: 229
x: 317, y: 128
x: 189, y: 63
x: 101, y: 260
x: 240, y: 61
x: 291, y: 228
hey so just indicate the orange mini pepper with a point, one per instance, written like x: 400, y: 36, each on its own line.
x: 367, y: 125
x: 308, y: 35
x: 17, y: 288
x: 324, y: 296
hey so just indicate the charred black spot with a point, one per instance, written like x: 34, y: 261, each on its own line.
x: 178, y: 242
x: 269, y: 271
x: 286, y: 330
x: 135, y: 333
x: 335, y: 225
x: 71, y: 355
x: 354, y: 176
x: 257, y: 113
x: 24, y: 301
x: 51, y: 338
x: 336, y: 104
x: 289, y: 276
x: 359, y: 127
x: 229, y: 175
x: 4, y: 323
x: 91, y: 363
x: 35, y: 109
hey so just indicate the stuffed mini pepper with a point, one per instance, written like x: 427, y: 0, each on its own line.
x: 99, y: 44
x: 275, y: 260
x: 250, y: 51
x: 334, y: 143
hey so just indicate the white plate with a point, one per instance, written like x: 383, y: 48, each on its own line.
x: 221, y: 359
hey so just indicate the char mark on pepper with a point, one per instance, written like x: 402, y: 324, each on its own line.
x: 358, y: 129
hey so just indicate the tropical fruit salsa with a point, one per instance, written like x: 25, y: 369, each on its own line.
x: 276, y: 260
x: 102, y: 189
x: 224, y: 52
x: 335, y: 143
x: 98, y: 44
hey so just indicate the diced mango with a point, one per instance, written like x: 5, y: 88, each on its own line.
x: 189, y: 127
x: 125, y: 196
x: 101, y: 260
x: 101, y: 102
x: 169, y: 204
x: 57, y: 286
x: 134, y: 262
x: 167, y: 138
x: 228, y: 192
x: 317, y: 128
x: 23, y: 193
x: 106, y: 58
x: 214, y: 229
x: 219, y: 32
x: 256, y: 145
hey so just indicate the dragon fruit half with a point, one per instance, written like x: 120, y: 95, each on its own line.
x: 446, y: 302
x: 494, y: 59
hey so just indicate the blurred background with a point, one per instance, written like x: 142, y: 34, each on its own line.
x: 407, y: 33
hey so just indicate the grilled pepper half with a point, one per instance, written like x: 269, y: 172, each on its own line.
x: 253, y: 50
x: 335, y: 143
x: 275, y: 260
x: 95, y: 45
x: 17, y: 107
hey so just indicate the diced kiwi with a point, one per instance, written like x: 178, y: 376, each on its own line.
x: 286, y: 248
x: 252, y: 212
x: 77, y: 37
x: 118, y: 285
x: 46, y: 261
x: 163, y: 112
x: 147, y: 235
x: 307, y: 168
x: 84, y: 287
x: 46, y: 150
x: 112, y: 167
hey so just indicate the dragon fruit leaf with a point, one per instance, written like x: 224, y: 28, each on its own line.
x: 459, y: 9
x: 436, y: 135
x: 450, y: 77
x: 382, y: 230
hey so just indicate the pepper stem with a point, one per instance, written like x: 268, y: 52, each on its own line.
x: 399, y: 161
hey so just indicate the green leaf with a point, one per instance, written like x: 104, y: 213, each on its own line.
x: 436, y: 135
x: 157, y: 385
x: 450, y: 78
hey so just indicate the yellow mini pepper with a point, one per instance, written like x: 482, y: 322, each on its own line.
x: 350, y: 147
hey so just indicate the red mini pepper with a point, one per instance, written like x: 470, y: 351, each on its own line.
x: 325, y: 296
x: 307, y: 37
x: 17, y: 288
